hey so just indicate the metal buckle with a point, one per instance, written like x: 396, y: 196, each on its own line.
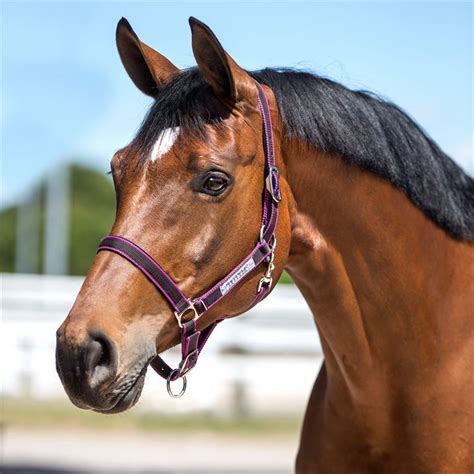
x: 185, y: 361
x: 179, y: 316
x: 272, y: 189
x: 262, y: 231
x: 168, y: 385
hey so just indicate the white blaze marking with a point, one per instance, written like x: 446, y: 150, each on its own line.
x: 164, y: 142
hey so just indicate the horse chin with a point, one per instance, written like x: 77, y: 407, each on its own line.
x: 128, y: 400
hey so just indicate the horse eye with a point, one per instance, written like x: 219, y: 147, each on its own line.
x: 215, y: 183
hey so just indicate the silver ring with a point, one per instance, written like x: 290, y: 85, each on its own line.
x: 168, y: 385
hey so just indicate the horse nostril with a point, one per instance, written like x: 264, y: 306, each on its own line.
x: 95, y: 355
x: 99, y: 359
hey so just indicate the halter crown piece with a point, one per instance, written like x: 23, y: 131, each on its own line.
x: 189, y: 310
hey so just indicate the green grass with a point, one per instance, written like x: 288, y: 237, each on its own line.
x: 23, y: 413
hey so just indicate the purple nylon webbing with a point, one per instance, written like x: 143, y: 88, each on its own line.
x: 148, y: 266
x: 192, y: 340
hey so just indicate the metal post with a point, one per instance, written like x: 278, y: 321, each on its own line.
x: 56, y: 238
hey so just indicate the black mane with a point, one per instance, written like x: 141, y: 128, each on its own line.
x: 361, y: 127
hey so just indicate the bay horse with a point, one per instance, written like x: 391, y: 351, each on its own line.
x: 375, y: 225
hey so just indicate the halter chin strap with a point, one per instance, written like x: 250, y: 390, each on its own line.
x: 188, y: 311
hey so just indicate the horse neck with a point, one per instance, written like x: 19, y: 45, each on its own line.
x: 379, y: 276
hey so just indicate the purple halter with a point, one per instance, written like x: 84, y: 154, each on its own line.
x: 192, y: 340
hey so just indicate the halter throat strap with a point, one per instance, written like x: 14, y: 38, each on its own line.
x: 187, y: 310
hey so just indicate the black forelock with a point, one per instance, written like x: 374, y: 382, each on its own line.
x: 360, y: 126
x: 187, y: 102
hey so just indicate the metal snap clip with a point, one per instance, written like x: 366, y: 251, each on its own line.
x: 267, y: 280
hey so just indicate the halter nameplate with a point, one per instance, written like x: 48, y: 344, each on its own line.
x: 187, y: 311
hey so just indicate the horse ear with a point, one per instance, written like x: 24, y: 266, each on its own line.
x: 147, y: 68
x: 222, y: 73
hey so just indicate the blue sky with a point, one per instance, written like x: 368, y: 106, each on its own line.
x: 66, y: 96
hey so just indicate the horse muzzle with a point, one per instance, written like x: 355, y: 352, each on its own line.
x: 90, y: 375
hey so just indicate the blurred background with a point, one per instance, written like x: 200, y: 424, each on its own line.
x: 67, y: 106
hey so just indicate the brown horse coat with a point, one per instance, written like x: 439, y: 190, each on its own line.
x: 390, y: 290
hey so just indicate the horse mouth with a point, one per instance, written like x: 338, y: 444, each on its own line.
x: 129, y: 398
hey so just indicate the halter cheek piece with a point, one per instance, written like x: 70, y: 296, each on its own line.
x: 188, y: 311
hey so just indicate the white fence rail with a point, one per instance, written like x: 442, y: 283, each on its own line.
x: 263, y: 361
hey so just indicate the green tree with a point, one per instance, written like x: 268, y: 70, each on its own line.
x: 91, y: 215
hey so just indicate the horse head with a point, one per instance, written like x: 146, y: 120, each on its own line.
x: 189, y: 190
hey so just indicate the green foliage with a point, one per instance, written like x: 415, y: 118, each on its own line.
x: 285, y: 279
x: 92, y: 210
x: 7, y: 239
x: 34, y: 204
x: 92, y: 215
